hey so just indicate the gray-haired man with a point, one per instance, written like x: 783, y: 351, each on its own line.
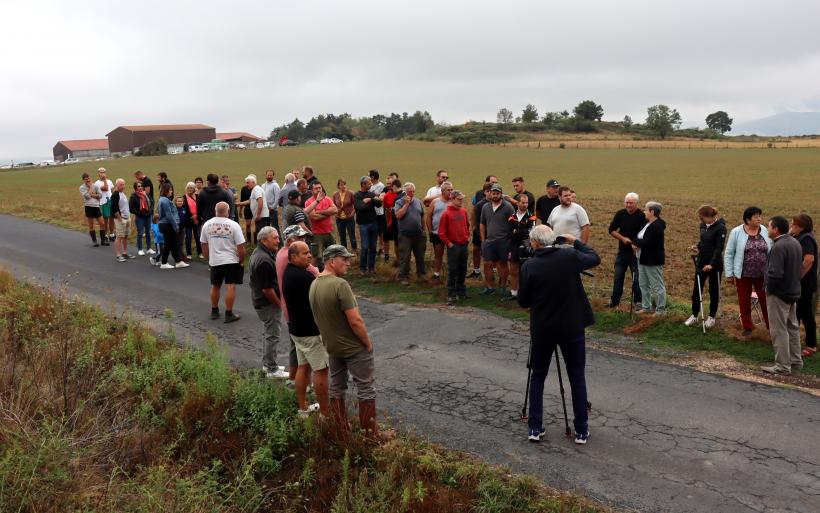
x: 265, y: 294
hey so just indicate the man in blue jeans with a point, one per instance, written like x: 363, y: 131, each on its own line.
x: 559, y: 313
x: 365, y: 203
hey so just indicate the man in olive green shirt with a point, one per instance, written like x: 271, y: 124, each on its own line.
x: 349, y: 348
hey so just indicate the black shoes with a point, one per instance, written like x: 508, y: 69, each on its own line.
x: 231, y: 317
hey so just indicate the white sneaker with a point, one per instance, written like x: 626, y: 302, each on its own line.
x: 166, y: 266
x: 150, y: 251
x: 710, y: 322
x: 312, y: 408
x: 691, y: 321
x: 180, y: 265
x: 141, y: 253
x: 277, y: 374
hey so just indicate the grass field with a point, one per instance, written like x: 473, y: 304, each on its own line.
x: 779, y: 181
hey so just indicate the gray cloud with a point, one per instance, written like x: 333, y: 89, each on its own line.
x: 78, y: 69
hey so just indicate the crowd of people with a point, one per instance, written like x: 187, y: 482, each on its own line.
x: 774, y: 263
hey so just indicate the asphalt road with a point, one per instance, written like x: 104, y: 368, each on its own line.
x: 663, y: 438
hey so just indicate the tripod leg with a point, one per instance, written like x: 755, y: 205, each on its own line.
x: 561, y: 387
x: 527, y: 389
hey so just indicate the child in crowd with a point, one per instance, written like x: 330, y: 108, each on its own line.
x: 159, y: 240
x: 184, y: 219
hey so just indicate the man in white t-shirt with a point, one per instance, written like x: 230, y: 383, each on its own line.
x: 259, y: 205
x: 224, y: 246
x: 106, y: 190
x: 435, y: 191
x: 569, y: 217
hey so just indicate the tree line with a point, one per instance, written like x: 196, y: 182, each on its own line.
x: 660, y: 119
x: 346, y: 127
x: 587, y: 116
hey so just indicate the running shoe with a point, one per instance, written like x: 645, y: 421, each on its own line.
x: 536, y: 434
x: 581, y: 438
x: 691, y: 321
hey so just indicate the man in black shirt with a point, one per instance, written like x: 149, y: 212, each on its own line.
x: 545, y: 204
x: 310, y: 351
x: 625, y: 227
x: 520, y: 188
x: 209, y: 197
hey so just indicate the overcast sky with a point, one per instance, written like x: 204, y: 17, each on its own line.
x: 76, y: 70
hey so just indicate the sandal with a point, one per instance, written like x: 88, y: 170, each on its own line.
x: 808, y: 351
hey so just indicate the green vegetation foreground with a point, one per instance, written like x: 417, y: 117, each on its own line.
x: 97, y: 415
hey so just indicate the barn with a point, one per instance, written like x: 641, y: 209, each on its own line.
x: 126, y: 139
x: 238, y: 137
x: 81, y: 149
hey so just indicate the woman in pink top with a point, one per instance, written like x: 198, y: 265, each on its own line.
x: 192, y: 226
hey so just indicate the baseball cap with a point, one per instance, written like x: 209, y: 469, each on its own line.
x: 336, y: 250
x: 293, y: 194
x: 496, y: 187
x: 294, y: 230
x: 553, y: 183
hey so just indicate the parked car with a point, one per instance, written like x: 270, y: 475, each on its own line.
x: 311, y: 141
x: 240, y: 146
x: 176, y: 150
x: 71, y: 160
x: 289, y: 142
x: 197, y: 148
x: 48, y: 162
x: 331, y: 140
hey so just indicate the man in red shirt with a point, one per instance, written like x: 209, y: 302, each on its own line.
x: 321, y: 210
x: 454, y: 232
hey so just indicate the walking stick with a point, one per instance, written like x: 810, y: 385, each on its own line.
x: 700, y: 294
x: 632, y: 295
x: 527, y: 390
x: 567, y: 431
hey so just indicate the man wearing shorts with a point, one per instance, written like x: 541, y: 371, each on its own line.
x: 495, y: 234
x: 121, y: 213
x: 106, y: 190
x: 91, y: 203
x: 224, y: 246
x: 345, y: 336
x: 311, y: 354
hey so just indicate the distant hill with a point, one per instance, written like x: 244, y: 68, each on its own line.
x: 786, y: 123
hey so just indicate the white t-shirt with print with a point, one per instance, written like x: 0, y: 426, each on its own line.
x: 222, y: 235
x: 105, y: 195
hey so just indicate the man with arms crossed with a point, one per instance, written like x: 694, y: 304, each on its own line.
x: 345, y: 336
x: 224, y: 246
x: 321, y: 210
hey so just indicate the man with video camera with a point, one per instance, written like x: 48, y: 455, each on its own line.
x: 559, y: 313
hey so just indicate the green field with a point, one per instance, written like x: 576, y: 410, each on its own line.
x: 779, y: 181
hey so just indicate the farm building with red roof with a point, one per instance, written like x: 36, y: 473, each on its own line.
x: 82, y: 149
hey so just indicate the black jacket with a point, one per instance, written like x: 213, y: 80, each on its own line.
x: 134, y: 205
x: 551, y: 287
x: 366, y: 212
x: 710, y: 246
x: 207, y: 200
x: 652, y: 250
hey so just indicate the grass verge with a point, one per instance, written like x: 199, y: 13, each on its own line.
x: 664, y: 337
x: 98, y: 415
